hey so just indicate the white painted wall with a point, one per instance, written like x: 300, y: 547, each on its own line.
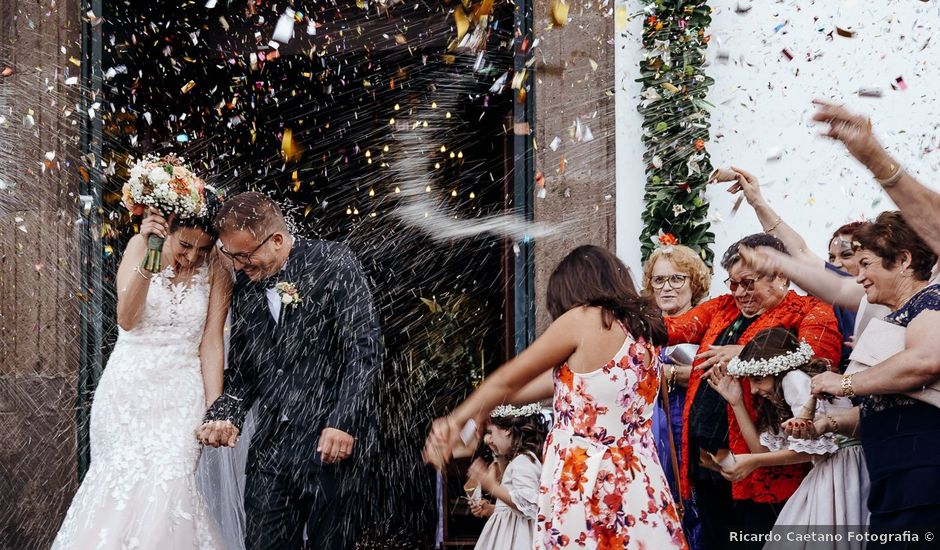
x: 763, y: 102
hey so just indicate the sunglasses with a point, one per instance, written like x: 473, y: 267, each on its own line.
x: 746, y: 283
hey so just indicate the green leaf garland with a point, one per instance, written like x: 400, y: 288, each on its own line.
x: 675, y: 127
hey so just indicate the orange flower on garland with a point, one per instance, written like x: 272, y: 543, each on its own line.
x: 667, y: 239
x: 699, y: 144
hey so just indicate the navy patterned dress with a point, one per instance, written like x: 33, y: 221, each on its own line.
x: 901, y: 439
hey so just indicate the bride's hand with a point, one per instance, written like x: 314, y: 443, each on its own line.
x: 216, y: 433
x: 154, y: 225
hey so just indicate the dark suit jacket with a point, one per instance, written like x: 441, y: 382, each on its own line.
x: 319, y: 367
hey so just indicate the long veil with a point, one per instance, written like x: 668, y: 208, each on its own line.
x: 220, y: 477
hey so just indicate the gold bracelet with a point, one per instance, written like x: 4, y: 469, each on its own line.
x: 893, y: 179
x: 774, y: 226
x: 847, y: 389
x: 141, y: 273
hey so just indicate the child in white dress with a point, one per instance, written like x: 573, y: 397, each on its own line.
x: 518, y: 434
x: 834, y: 493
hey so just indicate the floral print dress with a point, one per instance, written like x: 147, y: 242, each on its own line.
x: 602, y: 485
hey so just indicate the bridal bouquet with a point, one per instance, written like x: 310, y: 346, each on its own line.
x: 167, y: 185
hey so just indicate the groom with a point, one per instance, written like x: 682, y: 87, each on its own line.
x: 305, y: 346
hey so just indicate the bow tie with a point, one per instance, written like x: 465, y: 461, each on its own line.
x: 268, y: 284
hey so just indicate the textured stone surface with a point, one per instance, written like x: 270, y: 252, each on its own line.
x: 39, y: 274
x: 569, y: 89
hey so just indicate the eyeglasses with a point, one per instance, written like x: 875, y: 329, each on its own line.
x: 675, y: 281
x: 245, y: 257
x: 746, y: 283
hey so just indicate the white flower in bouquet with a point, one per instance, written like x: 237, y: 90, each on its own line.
x: 158, y: 176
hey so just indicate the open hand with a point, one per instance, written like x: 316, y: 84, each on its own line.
x: 717, y: 356
x: 216, y: 433
x: 761, y: 259
x: 854, y: 131
x: 727, y: 386
x: 801, y: 428
x: 335, y: 445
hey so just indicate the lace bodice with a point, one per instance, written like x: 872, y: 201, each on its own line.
x: 174, y: 314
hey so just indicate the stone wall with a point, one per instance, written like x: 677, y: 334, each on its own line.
x: 39, y: 271
x: 574, y: 82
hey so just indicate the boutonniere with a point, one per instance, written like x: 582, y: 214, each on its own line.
x: 289, y: 295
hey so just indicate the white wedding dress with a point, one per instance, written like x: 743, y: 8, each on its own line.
x: 140, y: 490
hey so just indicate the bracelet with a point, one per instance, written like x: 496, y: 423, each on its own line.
x: 774, y: 226
x: 833, y: 424
x: 847, y: 389
x: 893, y: 179
x: 141, y: 273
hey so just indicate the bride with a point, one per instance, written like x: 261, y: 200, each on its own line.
x: 140, y: 491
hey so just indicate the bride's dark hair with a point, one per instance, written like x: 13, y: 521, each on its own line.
x: 205, y: 222
x: 593, y: 276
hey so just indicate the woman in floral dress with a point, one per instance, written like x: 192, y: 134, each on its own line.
x: 602, y: 485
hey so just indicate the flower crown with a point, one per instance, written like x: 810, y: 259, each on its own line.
x: 774, y: 365
x: 509, y: 411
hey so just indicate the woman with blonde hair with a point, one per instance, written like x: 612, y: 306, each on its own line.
x: 676, y: 277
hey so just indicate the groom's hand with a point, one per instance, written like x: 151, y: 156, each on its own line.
x: 334, y: 445
x: 217, y: 433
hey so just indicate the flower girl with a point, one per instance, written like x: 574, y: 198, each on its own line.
x: 516, y: 434
x: 779, y: 368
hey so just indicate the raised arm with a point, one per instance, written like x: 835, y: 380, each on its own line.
x: 558, y: 342
x: 539, y: 389
x: 919, y: 205
x: 212, y: 347
x: 730, y: 388
x: 133, y: 283
x: 771, y: 222
x: 808, y: 274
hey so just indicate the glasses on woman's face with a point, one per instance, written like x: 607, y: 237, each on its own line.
x: 748, y: 284
x: 676, y: 281
x: 245, y: 257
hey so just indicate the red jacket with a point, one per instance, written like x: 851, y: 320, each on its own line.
x: 815, y: 323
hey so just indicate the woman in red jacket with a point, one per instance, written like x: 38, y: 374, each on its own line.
x: 721, y: 327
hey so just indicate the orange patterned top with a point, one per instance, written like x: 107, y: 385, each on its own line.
x: 814, y: 321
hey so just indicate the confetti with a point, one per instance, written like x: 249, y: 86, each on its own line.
x: 284, y: 30
x: 7, y: 71
x: 870, y: 91
x: 559, y: 13
x: 845, y: 32
x: 188, y: 86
